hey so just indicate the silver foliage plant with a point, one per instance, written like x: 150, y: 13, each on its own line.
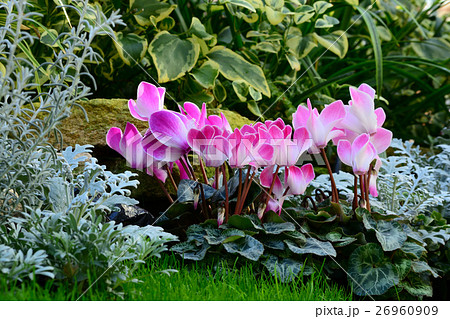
x: 52, y: 204
x: 409, y: 182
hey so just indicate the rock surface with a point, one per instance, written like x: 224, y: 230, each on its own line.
x: 106, y: 113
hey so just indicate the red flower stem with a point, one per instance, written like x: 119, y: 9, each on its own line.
x: 355, y: 193
x: 186, y: 169
x: 239, y: 192
x: 216, y: 177
x: 204, y: 206
x: 275, y: 175
x: 169, y: 173
x: 224, y: 172
x: 247, y: 181
x: 190, y: 167
x: 361, y: 187
x: 161, y: 184
x: 205, y: 177
x: 366, y: 188
x: 334, y: 193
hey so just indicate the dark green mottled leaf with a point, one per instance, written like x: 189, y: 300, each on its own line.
x: 248, y: 247
x: 312, y: 246
x: 285, y: 270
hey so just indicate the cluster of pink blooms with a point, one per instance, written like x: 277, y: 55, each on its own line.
x: 355, y: 129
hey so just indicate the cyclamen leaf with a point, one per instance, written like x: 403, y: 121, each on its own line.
x: 370, y: 272
x: 278, y: 228
x: 285, y: 270
x: 421, y: 266
x: 248, y: 247
x: 312, y: 246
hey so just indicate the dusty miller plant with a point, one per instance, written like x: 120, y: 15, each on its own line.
x: 52, y: 214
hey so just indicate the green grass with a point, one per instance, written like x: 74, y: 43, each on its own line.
x: 193, y: 281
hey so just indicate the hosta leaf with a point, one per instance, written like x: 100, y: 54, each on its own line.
x: 417, y: 285
x: 130, y: 47
x: 285, y: 270
x: 219, y: 236
x: 248, y: 247
x: 172, y: 56
x: 150, y: 8
x: 278, y: 228
x: 274, y: 17
x: 413, y: 249
x: 234, y: 67
x: 207, y: 74
x: 370, y: 272
x: 421, y: 266
x: 336, y: 42
x: 312, y: 246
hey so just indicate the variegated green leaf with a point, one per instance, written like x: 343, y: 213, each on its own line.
x: 150, y: 8
x: 199, y: 30
x: 172, y: 56
x: 207, y: 74
x: 274, y: 17
x: 336, y: 42
x: 130, y: 47
x: 322, y: 6
x: 241, y: 89
x: 326, y: 22
x: 234, y: 67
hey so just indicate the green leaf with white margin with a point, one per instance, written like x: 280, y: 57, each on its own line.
x: 216, y: 236
x: 234, y: 67
x: 166, y: 24
x: 248, y: 247
x: 435, y: 49
x: 384, y: 33
x: 278, y: 228
x: 150, y: 8
x: 275, y: 4
x: 370, y: 272
x: 219, y: 91
x: 199, y: 30
x: 131, y: 47
x: 336, y: 42
x: 172, y: 56
x: 48, y: 37
x: 266, y: 46
x: 241, y: 89
x: 417, y: 285
x: 206, y: 74
x: 301, y: 46
x: 285, y: 270
x: 312, y: 246
x: 421, y: 266
x: 239, y: 3
x: 352, y: 2
x: 303, y: 14
x: 254, y: 108
x: 326, y: 22
x: 255, y: 94
x: 274, y: 17
x: 293, y: 62
x: 322, y: 6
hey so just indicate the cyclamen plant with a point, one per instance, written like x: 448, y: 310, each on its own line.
x: 355, y: 128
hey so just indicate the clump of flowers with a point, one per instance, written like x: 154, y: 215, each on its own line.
x: 266, y: 147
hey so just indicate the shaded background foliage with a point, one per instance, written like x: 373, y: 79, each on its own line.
x: 265, y: 57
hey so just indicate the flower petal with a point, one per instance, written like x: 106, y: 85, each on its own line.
x: 266, y: 176
x: 367, y: 89
x: 169, y: 129
x: 344, y: 150
x: 381, y: 116
x: 300, y: 117
x: 134, y: 112
x: 332, y: 114
x: 113, y: 138
x: 381, y: 139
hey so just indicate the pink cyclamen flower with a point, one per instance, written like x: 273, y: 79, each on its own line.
x: 200, y: 117
x: 358, y: 154
x: 150, y: 99
x: 247, y: 148
x: 321, y: 126
x: 129, y: 145
x: 276, y: 201
x: 298, y: 178
x: 373, y: 178
x: 210, y: 143
x: 362, y: 117
x: 171, y: 130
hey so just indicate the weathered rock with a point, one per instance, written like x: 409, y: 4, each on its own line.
x: 132, y: 215
x: 106, y: 113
